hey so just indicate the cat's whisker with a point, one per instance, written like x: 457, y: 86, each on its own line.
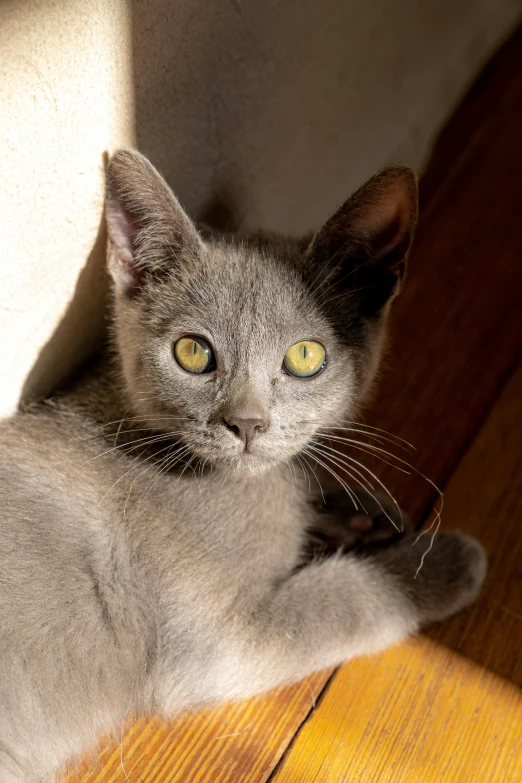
x: 381, y: 439
x: 144, y: 446
x: 187, y: 465
x: 194, y: 470
x: 373, y: 451
x: 376, y: 429
x: 227, y: 474
x: 315, y: 475
x: 126, y: 432
x: 138, y: 464
x: 342, y: 465
x: 341, y: 481
x: 166, y: 464
x: 352, y: 460
x: 136, y: 444
x: 291, y: 469
x: 155, y: 464
x: 325, y: 431
x: 307, y: 477
x: 435, y: 521
x: 382, y: 432
x: 118, y: 432
x: 350, y: 292
x: 335, y: 463
x: 140, y: 419
x: 364, y: 478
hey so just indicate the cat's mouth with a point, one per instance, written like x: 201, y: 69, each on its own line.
x: 248, y: 460
x: 210, y: 447
x: 251, y: 459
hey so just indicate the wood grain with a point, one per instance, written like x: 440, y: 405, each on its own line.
x: 418, y: 713
x: 239, y: 742
x: 423, y: 711
x: 484, y: 498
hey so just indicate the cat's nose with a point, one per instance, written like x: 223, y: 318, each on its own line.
x: 245, y: 429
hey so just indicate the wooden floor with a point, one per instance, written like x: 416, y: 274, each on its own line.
x: 445, y: 706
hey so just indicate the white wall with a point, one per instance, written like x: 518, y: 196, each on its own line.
x: 65, y: 96
x: 288, y: 103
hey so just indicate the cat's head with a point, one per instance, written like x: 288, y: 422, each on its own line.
x: 246, y: 347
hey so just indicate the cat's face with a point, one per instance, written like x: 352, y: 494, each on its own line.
x: 244, y: 349
x: 247, y: 310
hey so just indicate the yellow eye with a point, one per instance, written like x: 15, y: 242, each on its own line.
x: 305, y: 359
x: 194, y: 354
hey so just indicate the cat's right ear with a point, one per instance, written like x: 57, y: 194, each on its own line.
x: 149, y: 232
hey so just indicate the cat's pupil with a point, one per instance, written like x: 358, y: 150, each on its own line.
x: 194, y: 347
x: 304, y: 351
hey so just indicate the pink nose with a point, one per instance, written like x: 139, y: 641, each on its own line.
x: 245, y: 429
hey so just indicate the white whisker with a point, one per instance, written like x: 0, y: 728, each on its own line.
x: 335, y: 475
x: 315, y: 475
x: 307, y: 477
x: 341, y: 464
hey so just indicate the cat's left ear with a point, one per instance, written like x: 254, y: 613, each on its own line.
x: 364, y: 246
x: 149, y: 232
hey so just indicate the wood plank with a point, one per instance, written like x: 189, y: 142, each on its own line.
x: 418, y: 713
x: 240, y: 742
x: 485, y: 498
x: 423, y: 711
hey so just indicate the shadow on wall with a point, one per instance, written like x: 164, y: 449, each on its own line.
x: 286, y: 106
x: 291, y: 105
x: 81, y: 330
x: 258, y: 99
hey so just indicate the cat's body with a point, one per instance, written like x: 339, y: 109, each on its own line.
x: 157, y: 576
x: 141, y: 609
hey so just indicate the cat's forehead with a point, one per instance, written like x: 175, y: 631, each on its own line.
x: 246, y: 291
x: 256, y: 280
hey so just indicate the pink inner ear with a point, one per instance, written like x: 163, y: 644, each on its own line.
x: 122, y: 228
x: 123, y: 231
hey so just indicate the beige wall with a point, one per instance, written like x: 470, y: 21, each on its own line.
x: 295, y: 102
x: 288, y: 103
x: 65, y: 96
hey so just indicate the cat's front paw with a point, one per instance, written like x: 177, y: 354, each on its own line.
x: 375, y: 522
x: 441, y: 574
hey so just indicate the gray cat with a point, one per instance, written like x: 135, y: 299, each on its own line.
x: 155, y: 524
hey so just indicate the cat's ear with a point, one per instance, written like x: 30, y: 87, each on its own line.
x: 364, y: 245
x: 149, y: 232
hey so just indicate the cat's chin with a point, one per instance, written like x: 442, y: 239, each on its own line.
x: 251, y: 464
x: 245, y: 463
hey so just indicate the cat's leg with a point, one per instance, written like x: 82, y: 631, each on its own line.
x: 344, y: 606
x: 356, y: 521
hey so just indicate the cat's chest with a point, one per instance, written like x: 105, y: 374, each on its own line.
x: 227, y: 528
x: 218, y: 551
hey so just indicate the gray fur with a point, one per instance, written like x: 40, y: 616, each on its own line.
x: 129, y: 584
